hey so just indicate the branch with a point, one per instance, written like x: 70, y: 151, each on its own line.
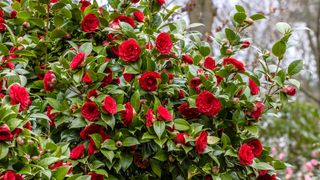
x: 310, y: 95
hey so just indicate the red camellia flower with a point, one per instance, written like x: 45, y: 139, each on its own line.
x: 90, y: 111
x: 180, y: 138
x: 256, y: 147
x: 254, y: 88
x: 54, y: 1
x: 237, y: 65
x: 52, y: 116
x: 135, y: 1
x: 2, y: 25
x: 245, y: 44
x: 95, y: 176
x: 108, y: 78
x: 90, y: 23
x: 195, y: 82
x: 115, y: 23
x: 77, y: 61
x: 91, y: 129
x: 61, y: 163
x: 188, y: 112
x: 219, y: 79
x: 13, y: 14
x: 149, y: 46
x: 5, y: 133
x: 49, y: 81
x: 161, y: 2
x: 164, y: 114
x: 290, y: 90
x: 209, y: 63
x: 127, y: 114
x: 84, y: 5
x: 187, y: 59
x: 257, y: 110
x: 128, y: 77
x: 129, y: 50
x: 77, y: 152
x: 110, y: 105
x: 150, y: 117
x: 208, y: 104
x: 19, y: 95
x: 263, y: 175
x: 139, y: 16
x: 86, y: 79
x: 1, y: 13
x: 245, y: 155
x: 92, y: 93
x: 201, y: 142
x: 10, y: 175
x: 164, y: 43
x: 148, y: 81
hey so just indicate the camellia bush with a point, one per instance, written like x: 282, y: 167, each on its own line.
x: 126, y: 92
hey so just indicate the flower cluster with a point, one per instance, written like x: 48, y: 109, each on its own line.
x: 117, y: 91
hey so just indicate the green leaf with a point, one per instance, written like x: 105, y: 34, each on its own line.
x: 109, y: 120
x: 155, y: 166
x: 213, y: 139
x: 57, y: 33
x: 240, y: 8
x: 159, y: 127
x: 109, y: 144
x: 279, y: 165
x: 14, y: 123
x: 86, y: 48
x: 130, y: 141
x: 161, y: 155
x: 279, y: 48
x: 54, y: 103
x: 256, y: 17
x: 135, y: 100
x: 24, y: 15
x: 3, y: 49
x: 108, y: 154
x: 181, y: 125
x: 4, y: 150
x: 231, y: 35
x: 47, y: 161
x: 262, y: 166
x: 204, y: 49
x: 40, y: 116
x: 240, y: 17
x: 283, y: 27
x: 295, y: 67
x: 61, y: 172
x: 225, y: 140
x: 96, y: 139
x: 114, y: 3
x: 125, y: 160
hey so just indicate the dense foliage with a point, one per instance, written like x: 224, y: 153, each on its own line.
x: 121, y: 92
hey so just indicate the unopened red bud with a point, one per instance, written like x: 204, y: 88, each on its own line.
x: 26, y: 25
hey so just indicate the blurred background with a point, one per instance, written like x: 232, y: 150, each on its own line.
x: 294, y: 133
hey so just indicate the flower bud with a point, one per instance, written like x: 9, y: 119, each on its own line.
x: 20, y: 141
x: 229, y: 51
x: 290, y: 90
x: 249, y: 21
x: 26, y: 25
x: 35, y: 158
x: 119, y: 144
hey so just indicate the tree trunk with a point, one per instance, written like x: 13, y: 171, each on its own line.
x: 202, y: 11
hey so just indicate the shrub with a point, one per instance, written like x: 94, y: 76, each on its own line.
x: 121, y: 92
